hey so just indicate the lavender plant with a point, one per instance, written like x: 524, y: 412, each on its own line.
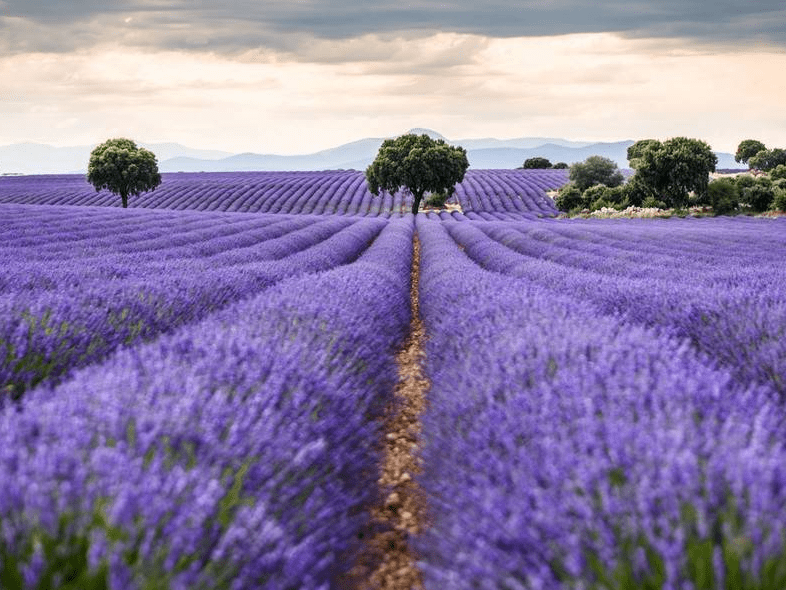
x: 570, y: 449
x: 231, y: 453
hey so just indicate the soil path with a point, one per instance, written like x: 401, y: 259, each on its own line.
x: 389, y: 562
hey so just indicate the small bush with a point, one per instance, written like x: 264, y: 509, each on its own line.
x: 724, y: 195
x: 779, y: 172
x: 560, y: 166
x: 437, y: 200
x: 759, y: 196
x: 653, y: 203
x: 569, y: 198
x: 779, y: 200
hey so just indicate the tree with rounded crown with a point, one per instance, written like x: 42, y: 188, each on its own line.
x: 417, y: 164
x: 124, y: 169
x: 672, y: 169
x: 595, y: 170
x: 747, y: 149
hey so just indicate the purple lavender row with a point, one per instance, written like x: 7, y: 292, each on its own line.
x: 81, y: 251
x: 730, y: 302
x: 234, y: 453
x: 515, y: 193
x: 565, y: 449
x: 46, y: 333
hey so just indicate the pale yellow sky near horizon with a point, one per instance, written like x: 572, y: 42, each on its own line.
x: 594, y: 86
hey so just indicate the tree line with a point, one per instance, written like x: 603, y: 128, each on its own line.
x: 670, y: 174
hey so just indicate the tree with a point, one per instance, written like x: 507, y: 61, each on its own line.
x: 124, y: 169
x: 560, y: 166
x: 747, y: 149
x: 670, y: 170
x: 536, y: 162
x: 417, y: 164
x: 595, y: 170
x: 768, y: 159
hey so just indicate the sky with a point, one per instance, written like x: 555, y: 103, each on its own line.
x: 297, y: 76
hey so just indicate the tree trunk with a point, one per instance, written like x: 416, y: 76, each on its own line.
x: 416, y: 197
x: 124, y: 197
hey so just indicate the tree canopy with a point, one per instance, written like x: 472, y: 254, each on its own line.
x: 536, y: 162
x: 768, y: 159
x: 417, y: 164
x: 595, y: 170
x: 124, y: 169
x: 672, y: 169
x: 747, y: 149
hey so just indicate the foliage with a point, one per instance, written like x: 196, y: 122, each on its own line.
x: 536, y: 162
x: 569, y: 198
x: 747, y: 149
x: 758, y: 197
x: 724, y: 195
x: 779, y: 201
x: 600, y: 195
x: 560, y: 166
x: 779, y: 172
x: 595, y: 170
x: 637, y: 151
x: 768, y: 159
x: 418, y: 164
x: 121, y: 167
x: 672, y: 169
x: 653, y: 203
x: 437, y: 200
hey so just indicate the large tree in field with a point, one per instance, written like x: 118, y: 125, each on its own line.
x: 672, y: 169
x: 121, y: 167
x: 417, y: 164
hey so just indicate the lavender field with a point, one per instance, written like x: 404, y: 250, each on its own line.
x: 492, y: 194
x: 192, y: 390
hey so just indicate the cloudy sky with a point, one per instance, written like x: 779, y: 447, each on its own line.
x: 296, y: 76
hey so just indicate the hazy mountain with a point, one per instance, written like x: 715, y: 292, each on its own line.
x: 32, y: 158
x: 38, y: 158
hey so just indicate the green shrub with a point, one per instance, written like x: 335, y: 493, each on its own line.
x: 779, y: 200
x: 652, y: 202
x: 600, y: 204
x: 437, y: 200
x: 569, y: 198
x: 560, y: 166
x: 611, y: 196
x: 779, y: 172
x: 744, y: 181
x: 759, y: 196
x: 724, y: 195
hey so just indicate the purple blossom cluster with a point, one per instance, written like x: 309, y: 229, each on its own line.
x: 96, y: 280
x: 484, y: 194
x: 571, y: 446
x: 233, y: 452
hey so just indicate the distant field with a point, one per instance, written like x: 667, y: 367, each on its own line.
x: 496, y: 194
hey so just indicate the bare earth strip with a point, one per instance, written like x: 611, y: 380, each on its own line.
x: 388, y: 562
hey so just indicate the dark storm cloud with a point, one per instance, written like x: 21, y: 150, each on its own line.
x: 225, y: 26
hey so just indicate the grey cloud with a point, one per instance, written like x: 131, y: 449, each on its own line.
x: 234, y: 27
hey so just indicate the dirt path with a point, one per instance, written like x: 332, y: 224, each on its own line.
x: 389, y: 563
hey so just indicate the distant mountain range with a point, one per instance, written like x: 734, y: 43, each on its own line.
x: 34, y: 158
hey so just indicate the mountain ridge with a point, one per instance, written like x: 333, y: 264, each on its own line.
x: 37, y: 158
